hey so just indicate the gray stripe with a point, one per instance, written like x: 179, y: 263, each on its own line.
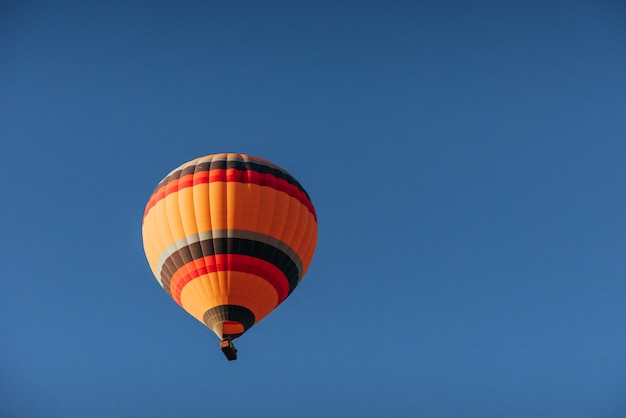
x: 210, y: 158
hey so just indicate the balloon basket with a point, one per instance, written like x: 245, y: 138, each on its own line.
x: 229, y: 350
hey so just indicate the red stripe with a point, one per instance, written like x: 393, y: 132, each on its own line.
x: 231, y: 174
x: 229, y: 262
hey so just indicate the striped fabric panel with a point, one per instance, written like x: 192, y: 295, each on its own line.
x: 223, y: 170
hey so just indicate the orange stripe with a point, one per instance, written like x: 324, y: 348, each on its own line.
x: 229, y: 263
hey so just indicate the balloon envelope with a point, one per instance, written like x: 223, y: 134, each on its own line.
x: 229, y: 237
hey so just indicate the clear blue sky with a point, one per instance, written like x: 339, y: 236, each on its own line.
x: 467, y: 161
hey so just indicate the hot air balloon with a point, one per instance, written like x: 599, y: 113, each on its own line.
x: 229, y: 237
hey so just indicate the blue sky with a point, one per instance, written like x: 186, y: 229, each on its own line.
x: 466, y: 161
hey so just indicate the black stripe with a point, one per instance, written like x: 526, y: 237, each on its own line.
x: 239, y: 165
x: 239, y: 246
x: 223, y: 313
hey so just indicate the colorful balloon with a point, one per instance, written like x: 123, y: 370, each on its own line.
x: 229, y: 237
